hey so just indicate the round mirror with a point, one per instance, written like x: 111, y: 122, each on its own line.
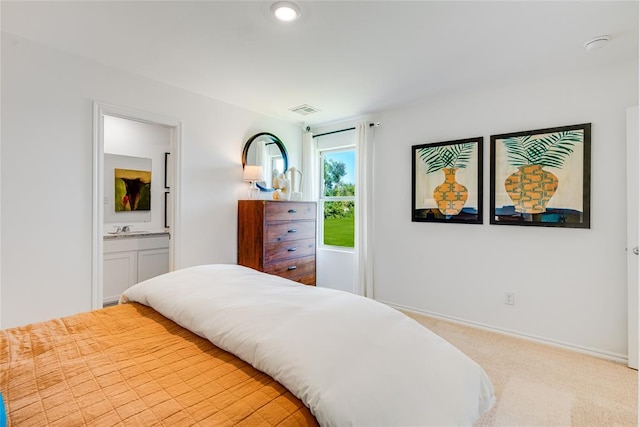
x: 266, y: 150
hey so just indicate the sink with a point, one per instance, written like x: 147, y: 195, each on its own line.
x: 133, y: 233
x: 126, y: 233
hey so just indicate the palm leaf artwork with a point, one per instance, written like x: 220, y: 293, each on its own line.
x: 550, y: 149
x: 439, y: 157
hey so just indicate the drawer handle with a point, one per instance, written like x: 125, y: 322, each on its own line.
x: 292, y: 211
x: 293, y: 230
x: 293, y: 267
x: 293, y: 249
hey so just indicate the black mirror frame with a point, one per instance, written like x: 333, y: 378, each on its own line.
x: 273, y: 139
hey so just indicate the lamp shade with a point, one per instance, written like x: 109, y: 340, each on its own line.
x: 252, y: 173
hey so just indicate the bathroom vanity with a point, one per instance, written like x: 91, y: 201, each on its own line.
x: 130, y: 258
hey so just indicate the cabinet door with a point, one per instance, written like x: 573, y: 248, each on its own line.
x: 152, y: 263
x: 120, y: 272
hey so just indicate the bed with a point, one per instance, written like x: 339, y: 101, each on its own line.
x: 227, y: 345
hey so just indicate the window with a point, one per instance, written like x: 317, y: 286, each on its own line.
x: 337, y: 197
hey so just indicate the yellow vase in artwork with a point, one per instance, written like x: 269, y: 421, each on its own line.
x: 531, y: 188
x: 450, y: 196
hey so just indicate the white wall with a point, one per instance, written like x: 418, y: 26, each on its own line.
x: 46, y: 204
x: 570, y: 284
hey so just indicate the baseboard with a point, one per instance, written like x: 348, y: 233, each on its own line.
x: 621, y: 358
x: 109, y: 301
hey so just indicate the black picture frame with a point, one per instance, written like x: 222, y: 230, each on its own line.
x: 542, y: 177
x: 446, y: 181
x: 166, y: 169
x: 166, y: 203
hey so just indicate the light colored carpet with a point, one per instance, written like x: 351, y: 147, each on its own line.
x: 540, y: 385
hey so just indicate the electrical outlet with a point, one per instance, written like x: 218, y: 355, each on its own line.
x: 510, y: 298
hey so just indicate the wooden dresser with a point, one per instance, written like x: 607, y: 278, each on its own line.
x: 279, y: 238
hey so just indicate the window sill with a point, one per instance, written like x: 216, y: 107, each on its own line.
x: 337, y: 249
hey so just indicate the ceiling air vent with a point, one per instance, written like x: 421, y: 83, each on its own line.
x: 304, y: 109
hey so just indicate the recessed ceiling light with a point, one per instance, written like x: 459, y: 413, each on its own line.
x: 597, y: 42
x: 285, y: 11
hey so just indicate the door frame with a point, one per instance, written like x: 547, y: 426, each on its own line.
x: 633, y: 219
x: 101, y: 109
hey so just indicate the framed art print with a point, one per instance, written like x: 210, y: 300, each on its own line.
x: 127, y: 188
x: 167, y: 201
x: 166, y: 171
x: 132, y: 190
x: 542, y: 177
x: 447, y: 182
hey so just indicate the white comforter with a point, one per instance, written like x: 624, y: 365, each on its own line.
x: 351, y: 360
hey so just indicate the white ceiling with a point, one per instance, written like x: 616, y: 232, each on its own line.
x: 345, y: 58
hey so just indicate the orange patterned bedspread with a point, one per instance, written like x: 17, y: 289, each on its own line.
x: 129, y: 365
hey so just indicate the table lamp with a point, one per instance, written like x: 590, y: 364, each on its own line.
x: 252, y: 174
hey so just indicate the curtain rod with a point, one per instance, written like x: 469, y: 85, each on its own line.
x: 335, y: 131
x: 342, y: 130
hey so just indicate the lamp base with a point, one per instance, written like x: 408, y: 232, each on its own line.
x: 253, y: 193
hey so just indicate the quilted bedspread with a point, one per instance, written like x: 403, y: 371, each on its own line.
x: 351, y: 360
x: 129, y: 365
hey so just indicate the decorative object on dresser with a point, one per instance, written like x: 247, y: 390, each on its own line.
x: 294, y: 175
x: 278, y: 237
x: 282, y: 186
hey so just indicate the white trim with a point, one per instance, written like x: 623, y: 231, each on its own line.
x: 98, y: 214
x: 322, y: 199
x: 176, y: 196
x: 100, y: 109
x: 633, y: 324
x: 338, y: 249
x: 603, y: 354
x: 0, y: 219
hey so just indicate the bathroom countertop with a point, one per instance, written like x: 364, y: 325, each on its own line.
x: 135, y: 234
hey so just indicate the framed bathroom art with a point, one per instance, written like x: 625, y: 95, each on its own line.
x: 127, y: 188
x: 542, y: 177
x: 447, y: 182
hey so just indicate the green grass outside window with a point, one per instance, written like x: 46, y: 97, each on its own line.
x: 339, y: 231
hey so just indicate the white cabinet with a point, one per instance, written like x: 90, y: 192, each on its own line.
x: 152, y: 263
x: 120, y: 272
x: 131, y: 260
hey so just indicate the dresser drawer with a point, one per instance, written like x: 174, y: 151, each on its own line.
x: 291, y: 211
x: 289, y: 250
x: 306, y: 279
x: 292, y: 268
x: 290, y: 230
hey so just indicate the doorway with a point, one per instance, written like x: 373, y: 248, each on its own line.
x: 162, y: 212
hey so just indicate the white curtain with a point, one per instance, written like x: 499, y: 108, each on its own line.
x: 309, y: 167
x: 364, y: 211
